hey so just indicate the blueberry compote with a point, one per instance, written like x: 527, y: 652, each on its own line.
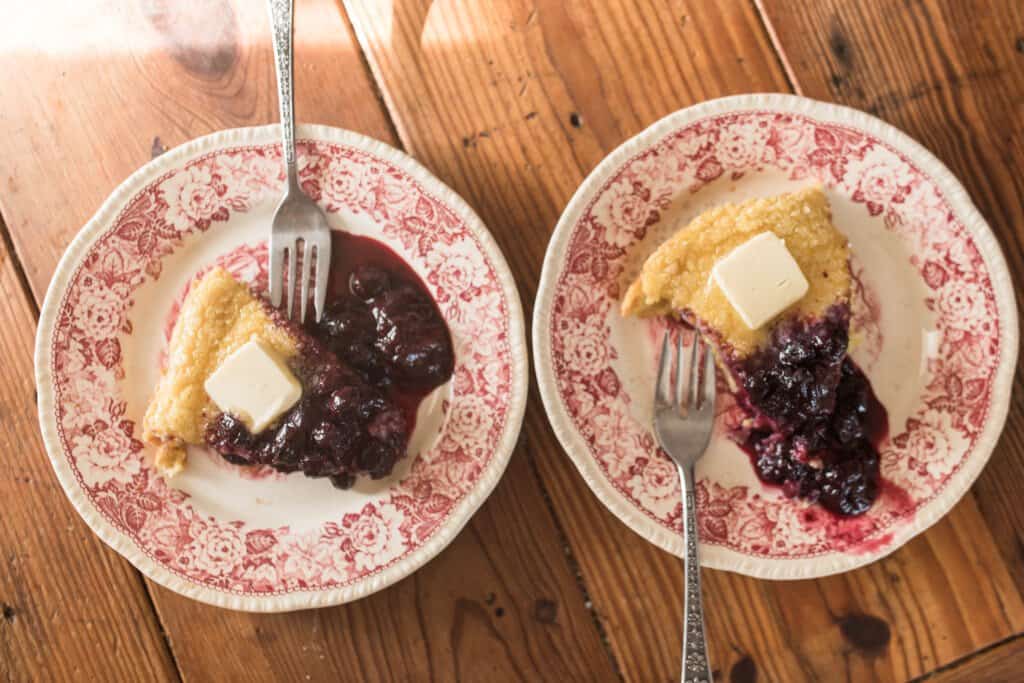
x: 814, y: 421
x: 379, y: 349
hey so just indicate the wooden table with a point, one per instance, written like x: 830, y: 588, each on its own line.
x: 512, y: 102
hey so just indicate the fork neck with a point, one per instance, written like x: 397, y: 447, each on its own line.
x: 281, y: 23
x: 687, y: 478
x: 293, y: 177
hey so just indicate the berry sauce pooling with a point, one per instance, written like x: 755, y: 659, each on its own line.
x: 814, y: 423
x: 379, y: 349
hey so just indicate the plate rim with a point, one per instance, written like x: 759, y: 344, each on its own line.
x: 717, y: 557
x: 301, y: 599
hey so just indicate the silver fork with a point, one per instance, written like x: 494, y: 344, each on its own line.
x: 298, y: 220
x: 684, y: 412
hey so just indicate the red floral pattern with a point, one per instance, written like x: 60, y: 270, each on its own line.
x: 99, y: 440
x: 922, y: 455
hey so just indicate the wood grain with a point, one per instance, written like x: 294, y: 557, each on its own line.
x: 512, y: 102
x: 113, y: 84
x: 951, y: 74
x: 999, y: 664
x: 59, y: 584
x: 501, y: 603
x: 496, y: 605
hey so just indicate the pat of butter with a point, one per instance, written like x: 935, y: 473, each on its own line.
x: 254, y: 385
x: 760, y: 278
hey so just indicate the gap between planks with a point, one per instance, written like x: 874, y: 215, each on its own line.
x: 375, y: 79
x: 793, y: 85
x: 389, y: 106
x: 19, y: 270
x: 965, y: 661
x: 780, y: 54
x: 26, y: 290
x: 365, y: 56
x: 574, y: 567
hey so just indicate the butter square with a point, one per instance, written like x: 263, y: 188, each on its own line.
x: 254, y: 385
x: 760, y: 279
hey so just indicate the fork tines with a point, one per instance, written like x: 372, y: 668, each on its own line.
x: 283, y: 277
x: 685, y: 389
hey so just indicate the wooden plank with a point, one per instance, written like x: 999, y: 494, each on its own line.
x: 492, y: 606
x: 512, y: 102
x: 59, y: 585
x: 1001, y: 664
x: 501, y: 602
x: 113, y: 84
x: 951, y: 74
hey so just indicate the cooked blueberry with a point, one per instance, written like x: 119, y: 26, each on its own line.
x: 849, y: 428
x: 370, y: 405
x: 316, y: 465
x: 389, y: 426
x: 297, y: 420
x: 368, y: 281
x: 324, y: 379
x: 348, y: 321
x: 387, y: 458
x: 771, y: 470
x: 344, y: 400
x: 343, y: 481
x: 234, y: 459
x: 265, y: 452
x: 412, y: 337
x: 327, y: 436
x: 368, y: 457
x: 819, y: 402
x: 794, y: 353
x: 380, y: 346
x: 364, y: 357
x: 228, y: 434
x: 285, y: 457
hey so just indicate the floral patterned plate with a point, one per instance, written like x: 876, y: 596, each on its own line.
x: 933, y: 306
x: 255, y: 539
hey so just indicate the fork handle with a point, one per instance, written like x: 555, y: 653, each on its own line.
x: 281, y: 13
x: 695, y: 649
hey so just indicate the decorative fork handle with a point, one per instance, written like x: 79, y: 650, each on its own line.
x: 695, y: 649
x: 281, y: 13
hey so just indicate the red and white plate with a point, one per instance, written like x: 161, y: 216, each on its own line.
x: 934, y: 307
x: 255, y: 539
